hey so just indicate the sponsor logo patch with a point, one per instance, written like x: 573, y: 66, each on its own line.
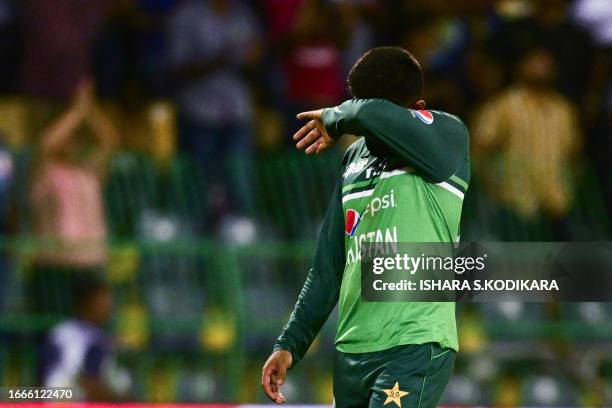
x: 352, y: 220
x: 425, y: 116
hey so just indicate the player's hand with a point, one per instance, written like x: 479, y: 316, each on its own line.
x: 273, y: 374
x: 312, y: 137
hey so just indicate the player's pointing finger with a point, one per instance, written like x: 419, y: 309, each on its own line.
x: 315, y: 114
x: 305, y: 115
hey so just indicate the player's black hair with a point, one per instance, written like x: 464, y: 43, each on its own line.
x: 390, y: 73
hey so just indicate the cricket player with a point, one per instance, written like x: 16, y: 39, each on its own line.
x: 414, y: 164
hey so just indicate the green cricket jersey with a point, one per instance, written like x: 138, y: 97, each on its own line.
x: 403, y: 181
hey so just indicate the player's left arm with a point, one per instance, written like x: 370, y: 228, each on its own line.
x: 320, y: 292
x: 317, y: 299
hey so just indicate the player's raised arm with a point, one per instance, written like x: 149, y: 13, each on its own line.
x: 434, y: 143
x: 317, y: 299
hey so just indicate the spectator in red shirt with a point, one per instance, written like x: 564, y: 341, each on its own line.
x: 313, y: 56
x: 309, y: 41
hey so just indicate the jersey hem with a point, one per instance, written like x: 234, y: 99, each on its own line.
x: 401, y: 342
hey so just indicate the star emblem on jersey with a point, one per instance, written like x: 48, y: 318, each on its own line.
x: 394, y: 395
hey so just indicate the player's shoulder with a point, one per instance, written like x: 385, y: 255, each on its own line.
x: 443, y: 116
x: 447, y: 121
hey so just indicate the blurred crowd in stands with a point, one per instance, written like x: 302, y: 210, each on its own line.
x: 208, y: 90
x: 531, y: 78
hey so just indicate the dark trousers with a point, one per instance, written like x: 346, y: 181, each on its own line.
x: 413, y: 375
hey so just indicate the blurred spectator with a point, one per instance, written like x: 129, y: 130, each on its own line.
x: 525, y: 142
x: 312, y: 58
x: 78, y: 353
x: 58, y: 40
x: 67, y: 199
x: 211, y: 44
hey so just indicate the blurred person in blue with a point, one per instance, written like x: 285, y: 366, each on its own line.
x: 213, y: 44
x: 78, y: 352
